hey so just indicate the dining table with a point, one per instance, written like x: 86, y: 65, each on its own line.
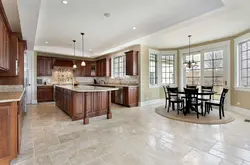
x: 200, y: 93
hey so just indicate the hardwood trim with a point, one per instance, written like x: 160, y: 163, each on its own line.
x: 109, y: 114
x: 85, y: 118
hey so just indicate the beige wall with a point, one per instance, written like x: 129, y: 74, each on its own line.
x: 146, y: 93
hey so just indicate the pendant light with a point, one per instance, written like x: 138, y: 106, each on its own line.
x: 83, y: 62
x: 74, y: 42
x: 189, y: 64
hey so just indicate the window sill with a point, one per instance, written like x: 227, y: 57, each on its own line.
x: 244, y: 89
x: 154, y: 86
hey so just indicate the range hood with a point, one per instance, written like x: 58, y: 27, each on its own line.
x: 62, y: 63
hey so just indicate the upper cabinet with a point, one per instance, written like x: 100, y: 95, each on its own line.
x: 132, y: 63
x: 103, y: 67
x: 4, y: 46
x: 44, y: 66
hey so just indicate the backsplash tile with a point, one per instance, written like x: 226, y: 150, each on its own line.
x: 119, y: 80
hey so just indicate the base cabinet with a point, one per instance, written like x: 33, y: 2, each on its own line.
x: 44, y: 93
x: 130, y: 96
x: 10, y: 130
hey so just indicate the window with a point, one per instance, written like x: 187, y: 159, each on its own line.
x: 153, y: 69
x: 213, y: 71
x: 167, y: 69
x: 193, y: 75
x: 119, y: 66
x: 244, y: 59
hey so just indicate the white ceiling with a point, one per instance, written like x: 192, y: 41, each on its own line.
x: 59, y: 24
x: 11, y: 11
x: 160, y: 23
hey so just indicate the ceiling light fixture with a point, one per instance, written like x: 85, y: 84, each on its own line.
x: 90, y: 50
x: 83, y: 62
x: 74, y: 42
x: 190, y: 64
x: 107, y: 14
x: 46, y: 42
x: 134, y: 28
x: 65, y: 2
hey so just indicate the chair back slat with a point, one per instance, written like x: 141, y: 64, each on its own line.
x: 191, y: 95
x: 172, y: 92
x: 223, y: 95
x: 205, y: 89
x: 191, y: 86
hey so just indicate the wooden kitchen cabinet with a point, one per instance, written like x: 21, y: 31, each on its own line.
x: 44, y: 93
x: 103, y: 68
x: 11, y: 119
x: 4, y: 46
x: 130, y: 96
x: 44, y: 66
x: 132, y: 63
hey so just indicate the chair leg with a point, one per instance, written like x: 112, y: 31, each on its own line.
x: 205, y: 109
x: 168, y: 106
x: 173, y: 106
x: 178, y: 107
x: 197, y: 111
x: 166, y: 103
x: 220, y: 112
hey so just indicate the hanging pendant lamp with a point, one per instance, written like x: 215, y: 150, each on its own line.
x: 189, y: 64
x: 83, y: 62
x: 74, y: 43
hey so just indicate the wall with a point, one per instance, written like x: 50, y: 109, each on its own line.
x: 146, y: 93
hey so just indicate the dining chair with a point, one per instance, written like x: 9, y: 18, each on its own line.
x: 174, y: 99
x: 219, y: 103
x: 166, y: 95
x: 206, y: 98
x: 192, y: 102
x: 191, y: 86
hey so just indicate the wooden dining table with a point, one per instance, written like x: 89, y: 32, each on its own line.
x: 200, y: 92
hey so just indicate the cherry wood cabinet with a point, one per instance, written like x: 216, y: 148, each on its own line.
x: 10, y: 131
x: 44, y: 93
x: 80, y: 105
x: 103, y: 67
x: 132, y: 63
x: 44, y: 66
x: 4, y: 46
x: 131, y: 96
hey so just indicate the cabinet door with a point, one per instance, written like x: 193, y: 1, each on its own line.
x: 48, y: 64
x: 40, y: 66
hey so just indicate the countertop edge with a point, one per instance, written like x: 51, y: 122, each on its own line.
x: 89, y: 90
x: 13, y: 100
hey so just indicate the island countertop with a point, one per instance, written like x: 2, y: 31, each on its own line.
x: 11, y: 96
x: 85, y: 88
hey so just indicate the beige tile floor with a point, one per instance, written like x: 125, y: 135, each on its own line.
x: 135, y: 136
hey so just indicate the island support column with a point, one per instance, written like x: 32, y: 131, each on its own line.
x: 85, y: 118
x: 109, y: 114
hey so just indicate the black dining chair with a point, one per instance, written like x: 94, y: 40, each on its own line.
x: 219, y: 103
x: 192, y: 102
x: 206, y: 98
x: 166, y: 95
x: 174, y: 99
x: 191, y: 86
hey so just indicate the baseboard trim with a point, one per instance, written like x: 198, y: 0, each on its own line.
x: 239, y: 110
x: 34, y: 102
x: 150, y: 102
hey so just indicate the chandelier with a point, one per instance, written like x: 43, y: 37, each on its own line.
x: 191, y: 63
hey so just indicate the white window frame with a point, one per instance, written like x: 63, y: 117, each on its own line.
x: 159, y: 71
x: 237, y: 64
x: 124, y: 65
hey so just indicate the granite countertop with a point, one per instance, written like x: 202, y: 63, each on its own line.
x: 116, y: 85
x: 11, y: 96
x: 85, y: 88
x: 42, y: 85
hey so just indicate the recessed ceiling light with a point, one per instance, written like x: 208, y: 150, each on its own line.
x: 46, y: 42
x: 134, y: 28
x: 65, y: 2
x: 90, y: 50
x: 107, y: 14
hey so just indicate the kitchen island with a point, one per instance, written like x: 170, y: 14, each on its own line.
x: 84, y: 102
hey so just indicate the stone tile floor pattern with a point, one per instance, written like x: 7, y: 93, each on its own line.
x: 135, y: 136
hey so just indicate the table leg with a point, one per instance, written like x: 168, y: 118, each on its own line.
x: 85, y: 118
x: 109, y: 114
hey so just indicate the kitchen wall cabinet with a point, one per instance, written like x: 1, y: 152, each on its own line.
x: 132, y: 63
x: 103, y: 67
x: 4, y: 46
x: 44, y: 66
x: 85, y: 71
x: 44, y: 93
